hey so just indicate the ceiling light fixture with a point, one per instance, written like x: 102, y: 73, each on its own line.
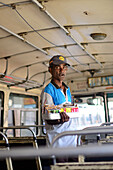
x: 98, y: 36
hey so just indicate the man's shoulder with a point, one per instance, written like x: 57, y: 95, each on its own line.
x: 48, y: 86
x: 46, y: 91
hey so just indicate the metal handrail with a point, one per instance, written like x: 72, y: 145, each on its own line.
x: 92, y: 130
x: 24, y: 127
x: 106, y: 123
x: 6, y: 139
x: 8, y: 159
x: 25, y: 109
x: 20, y: 127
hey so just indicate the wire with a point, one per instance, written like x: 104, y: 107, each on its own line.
x: 29, y: 24
x: 34, y: 29
x: 5, y: 4
x: 74, y: 57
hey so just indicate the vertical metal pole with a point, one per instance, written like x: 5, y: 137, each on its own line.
x: 81, y: 159
x: 13, y: 117
x: 106, y: 108
x: 8, y: 160
x: 38, y: 161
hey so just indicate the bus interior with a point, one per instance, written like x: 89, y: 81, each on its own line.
x: 31, y: 32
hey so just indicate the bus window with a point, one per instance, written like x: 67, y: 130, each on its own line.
x: 110, y: 106
x: 90, y: 112
x: 22, y: 111
x: 1, y: 108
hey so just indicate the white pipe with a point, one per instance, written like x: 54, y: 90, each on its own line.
x: 19, y: 37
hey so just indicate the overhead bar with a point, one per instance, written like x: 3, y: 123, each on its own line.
x: 65, y: 30
x: 19, y: 37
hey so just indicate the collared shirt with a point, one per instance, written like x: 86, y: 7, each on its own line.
x: 54, y: 95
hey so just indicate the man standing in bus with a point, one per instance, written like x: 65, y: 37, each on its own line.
x: 58, y: 93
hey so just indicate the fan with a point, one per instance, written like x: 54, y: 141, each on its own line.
x: 92, y: 71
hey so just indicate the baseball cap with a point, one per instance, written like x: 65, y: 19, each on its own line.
x: 58, y: 59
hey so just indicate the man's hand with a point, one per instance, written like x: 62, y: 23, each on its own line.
x: 64, y: 117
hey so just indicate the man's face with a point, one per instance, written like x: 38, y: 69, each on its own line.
x: 59, y: 71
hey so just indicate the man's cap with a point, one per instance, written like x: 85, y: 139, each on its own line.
x: 58, y: 59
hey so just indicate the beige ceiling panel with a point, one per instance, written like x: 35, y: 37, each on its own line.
x: 3, y: 33
x: 108, y: 65
x: 58, y: 51
x: 82, y: 33
x: 86, y: 16
x: 33, y: 72
x: 38, y: 19
x: 55, y: 37
x: 30, y: 13
x: 82, y: 67
x: 12, y: 1
x: 81, y: 11
x: 94, y: 66
x: 20, y: 73
x: 76, y: 50
x: 100, y: 48
x: 66, y: 51
x: 37, y: 70
x: 30, y: 56
x: 12, y: 21
x: 2, y: 65
x: 37, y: 40
x: 105, y: 58
x: 73, y: 76
x: 40, y: 78
x: 85, y: 59
x: 33, y: 58
x: 12, y: 45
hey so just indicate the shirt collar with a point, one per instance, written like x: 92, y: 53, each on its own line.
x: 57, y: 85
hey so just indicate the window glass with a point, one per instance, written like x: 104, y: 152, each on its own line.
x: 90, y: 112
x: 22, y: 111
x: 110, y: 106
x: 22, y: 101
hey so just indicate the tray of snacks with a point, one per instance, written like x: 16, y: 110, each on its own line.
x: 53, y: 112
